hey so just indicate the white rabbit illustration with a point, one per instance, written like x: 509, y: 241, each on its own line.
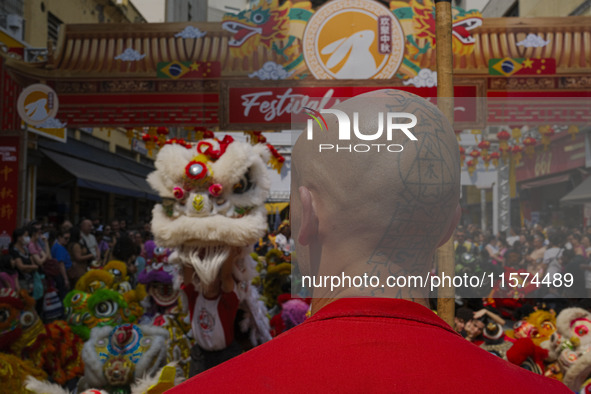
x: 36, y: 110
x: 360, y: 64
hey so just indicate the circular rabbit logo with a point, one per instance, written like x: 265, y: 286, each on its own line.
x: 37, y: 103
x: 353, y: 39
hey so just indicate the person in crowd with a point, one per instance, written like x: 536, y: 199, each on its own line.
x: 66, y: 225
x: 378, y: 214
x: 514, y: 257
x: 513, y: 237
x: 586, y: 244
x: 88, y: 239
x: 575, y: 240
x: 104, y: 244
x: 108, y: 256
x: 495, y: 252
x: 479, y: 240
x: 215, y: 341
x: 42, y: 257
x: 462, y: 315
x: 38, y: 246
x: 526, y: 242
x: 8, y: 268
x: 60, y: 253
x: 139, y: 241
x: 461, y: 244
x: 577, y: 266
x: 551, y: 259
x: 19, y: 253
x: 536, y: 257
x: 473, y: 331
x: 126, y: 250
x: 123, y: 226
x: 80, y: 255
x: 283, y: 237
x: 115, y: 228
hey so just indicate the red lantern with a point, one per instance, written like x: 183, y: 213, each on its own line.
x: 471, y: 166
x: 546, y: 132
x: 150, y: 142
x: 530, y: 146
x: 503, y: 137
x: 573, y: 130
x: 475, y: 154
x: 505, y: 152
x: 202, y: 133
x: 484, y: 145
x: 517, y: 149
x: 494, y: 157
x: 462, y: 156
x: 129, y: 132
x: 162, y: 132
x: 486, y: 160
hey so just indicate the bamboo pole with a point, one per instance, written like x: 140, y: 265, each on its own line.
x: 443, y: 33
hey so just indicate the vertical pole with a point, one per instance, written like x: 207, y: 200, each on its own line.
x: 445, y: 92
x: 483, y: 210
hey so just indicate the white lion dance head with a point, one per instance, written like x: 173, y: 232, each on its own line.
x: 212, y: 199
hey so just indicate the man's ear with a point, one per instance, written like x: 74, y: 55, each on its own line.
x: 452, y: 226
x: 309, y: 220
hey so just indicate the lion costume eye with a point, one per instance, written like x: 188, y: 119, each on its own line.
x: 548, y: 325
x: 4, y: 315
x: 244, y: 185
x: 27, y: 319
x: 86, y: 317
x: 76, y: 298
x: 106, y: 309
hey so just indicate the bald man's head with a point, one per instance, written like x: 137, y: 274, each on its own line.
x: 399, y: 197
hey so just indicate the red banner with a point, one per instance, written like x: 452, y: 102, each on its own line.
x: 9, y: 153
x: 275, y: 105
x: 563, y: 154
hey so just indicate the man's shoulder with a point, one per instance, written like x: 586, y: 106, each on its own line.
x: 375, y: 353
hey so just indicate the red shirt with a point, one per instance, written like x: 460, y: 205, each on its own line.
x: 369, y: 345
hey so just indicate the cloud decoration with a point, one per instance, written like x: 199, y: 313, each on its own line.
x: 130, y: 55
x: 191, y: 32
x: 533, y: 41
x: 425, y: 78
x: 271, y: 71
x: 51, y: 123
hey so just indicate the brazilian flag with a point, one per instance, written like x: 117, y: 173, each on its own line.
x: 173, y: 70
x: 505, y: 67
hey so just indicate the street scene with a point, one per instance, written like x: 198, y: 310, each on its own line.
x: 194, y: 191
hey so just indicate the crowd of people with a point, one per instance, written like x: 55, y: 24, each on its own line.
x: 43, y: 258
x: 531, y: 254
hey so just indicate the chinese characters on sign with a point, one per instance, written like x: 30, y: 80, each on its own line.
x: 385, y: 35
x: 8, y: 183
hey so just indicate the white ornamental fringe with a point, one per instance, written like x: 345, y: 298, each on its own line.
x: 208, y: 267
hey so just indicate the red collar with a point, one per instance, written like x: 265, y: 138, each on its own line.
x: 379, y: 307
